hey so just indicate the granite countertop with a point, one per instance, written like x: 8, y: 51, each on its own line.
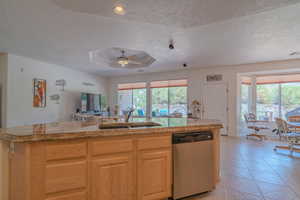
x: 77, y: 130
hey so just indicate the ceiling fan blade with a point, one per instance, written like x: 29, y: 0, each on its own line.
x: 134, y: 62
x: 135, y: 59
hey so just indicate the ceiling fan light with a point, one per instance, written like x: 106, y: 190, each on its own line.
x: 119, y: 9
x: 123, y: 62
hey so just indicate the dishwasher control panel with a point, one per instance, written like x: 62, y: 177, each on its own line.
x: 189, y: 137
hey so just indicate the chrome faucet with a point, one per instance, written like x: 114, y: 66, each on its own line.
x: 128, y: 114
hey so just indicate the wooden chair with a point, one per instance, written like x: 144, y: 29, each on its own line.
x: 256, y: 125
x: 292, y: 138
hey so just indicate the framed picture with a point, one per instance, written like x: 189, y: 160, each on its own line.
x: 39, y: 93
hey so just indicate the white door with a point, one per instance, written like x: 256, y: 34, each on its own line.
x: 215, y: 103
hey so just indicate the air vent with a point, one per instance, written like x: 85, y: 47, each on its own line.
x: 214, y: 77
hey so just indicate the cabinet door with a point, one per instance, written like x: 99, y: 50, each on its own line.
x: 112, y: 178
x: 154, y: 174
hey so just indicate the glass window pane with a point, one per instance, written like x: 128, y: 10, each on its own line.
x: 139, y: 102
x: 160, y: 102
x: 125, y: 100
x: 178, y: 100
x: 290, y: 99
x: 245, y: 100
x: 267, y: 103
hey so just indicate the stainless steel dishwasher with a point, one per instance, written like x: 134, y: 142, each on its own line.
x: 192, y: 163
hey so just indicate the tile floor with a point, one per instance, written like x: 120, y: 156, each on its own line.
x: 251, y: 170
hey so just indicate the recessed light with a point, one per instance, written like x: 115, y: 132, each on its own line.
x: 119, y: 9
x: 295, y: 53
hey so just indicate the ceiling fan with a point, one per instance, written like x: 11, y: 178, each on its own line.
x: 125, y: 60
x: 121, y: 58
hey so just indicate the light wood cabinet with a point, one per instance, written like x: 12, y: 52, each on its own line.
x: 112, y: 177
x: 60, y: 177
x: 132, y: 167
x: 64, y: 150
x: 114, y: 168
x: 136, y: 167
x: 154, y: 174
x: 71, y: 196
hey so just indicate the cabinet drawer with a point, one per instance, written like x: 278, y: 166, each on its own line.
x: 73, y: 196
x: 154, y: 142
x: 111, y: 146
x: 66, y: 176
x: 59, y: 151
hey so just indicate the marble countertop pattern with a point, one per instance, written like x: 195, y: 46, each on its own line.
x: 80, y: 130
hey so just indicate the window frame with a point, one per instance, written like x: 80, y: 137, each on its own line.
x: 148, y: 88
x: 151, y: 97
x: 267, y: 80
x: 132, y: 96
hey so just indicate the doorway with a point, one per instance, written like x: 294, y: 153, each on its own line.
x: 215, y: 101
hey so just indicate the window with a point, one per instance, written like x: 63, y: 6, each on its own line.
x: 169, y: 98
x: 133, y: 95
x: 290, y: 99
x: 278, y: 96
x: 245, y: 96
x: 267, y: 101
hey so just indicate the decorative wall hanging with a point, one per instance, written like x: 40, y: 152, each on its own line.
x: 39, y: 93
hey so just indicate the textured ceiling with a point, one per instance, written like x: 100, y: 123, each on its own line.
x: 42, y: 30
x: 178, y: 13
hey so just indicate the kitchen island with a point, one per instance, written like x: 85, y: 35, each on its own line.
x: 79, y: 161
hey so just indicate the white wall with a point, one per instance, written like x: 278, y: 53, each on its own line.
x: 197, y: 78
x: 22, y: 71
x: 16, y: 76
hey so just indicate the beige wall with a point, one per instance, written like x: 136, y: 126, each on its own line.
x: 197, y: 78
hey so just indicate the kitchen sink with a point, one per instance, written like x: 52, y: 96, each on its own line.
x: 117, y: 125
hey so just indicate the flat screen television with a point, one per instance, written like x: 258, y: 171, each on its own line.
x: 90, y: 103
